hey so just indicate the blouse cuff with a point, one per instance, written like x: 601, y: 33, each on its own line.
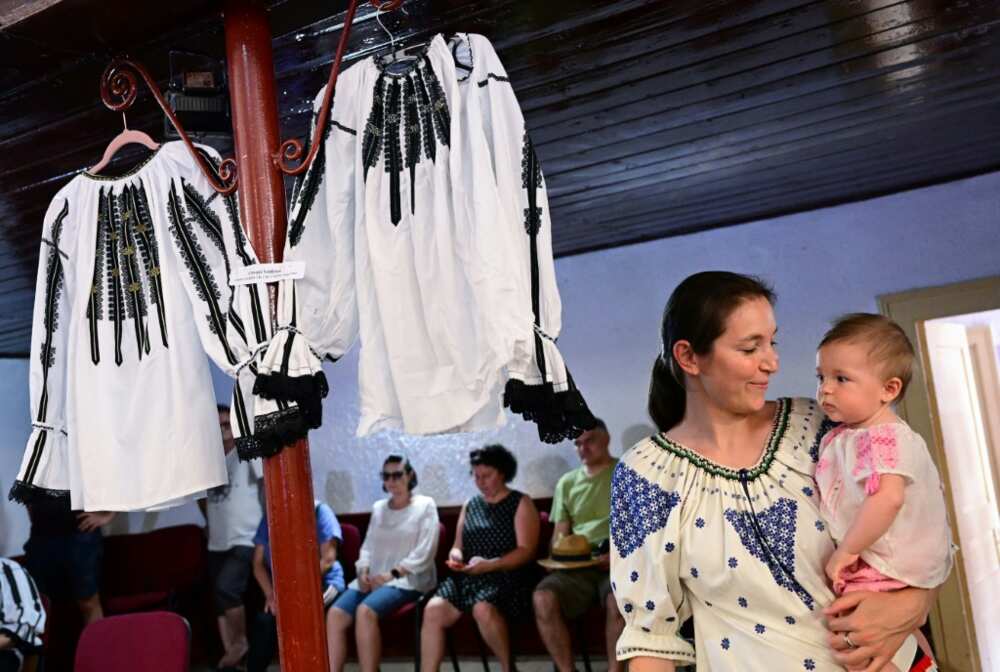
x: 634, y: 643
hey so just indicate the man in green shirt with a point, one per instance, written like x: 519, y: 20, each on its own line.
x: 581, y: 505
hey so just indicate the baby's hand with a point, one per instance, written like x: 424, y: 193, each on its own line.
x: 838, y: 562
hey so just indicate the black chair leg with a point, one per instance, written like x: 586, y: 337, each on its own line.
x: 581, y: 636
x: 482, y: 649
x: 418, y: 620
x: 451, y: 651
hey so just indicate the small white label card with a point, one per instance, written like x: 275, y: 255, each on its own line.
x: 248, y: 275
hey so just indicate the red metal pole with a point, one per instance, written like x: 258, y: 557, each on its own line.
x: 287, y: 476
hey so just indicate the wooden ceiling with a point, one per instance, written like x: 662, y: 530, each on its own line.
x: 651, y: 119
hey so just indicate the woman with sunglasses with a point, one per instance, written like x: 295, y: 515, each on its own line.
x: 395, y: 566
x: 493, y: 576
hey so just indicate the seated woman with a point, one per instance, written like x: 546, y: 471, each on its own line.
x: 494, y: 545
x: 395, y: 566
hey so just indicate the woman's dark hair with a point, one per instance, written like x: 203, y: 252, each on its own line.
x: 696, y: 312
x: 496, y: 456
x: 407, y: 468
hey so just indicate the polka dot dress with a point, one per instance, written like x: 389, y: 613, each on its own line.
x: 489, y: 533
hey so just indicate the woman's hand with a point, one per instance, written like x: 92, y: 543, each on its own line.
x: 479, y: 565
x: 363, y: 582
x: 270, y: 605
x: 88, y: 522
x: 877, y: 624
x: 380, y: 580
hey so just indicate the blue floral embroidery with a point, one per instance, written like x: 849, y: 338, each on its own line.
x: 628, y: 607
x: 809, y: 664
x: 759, y: 629
x: 789, y: 620
x: 820, y: 526
x: 650, y: 605
x: 807, y: 491
x: 694, y: 572
x: 742, y: 602
x: 777, y: 524
x: 613, y: 587
x: 725, y: 643
x: 700, y: 523
x: 733, y: 563
x: 638, y: 509
x: 634, y: 576
x: 645, y: 629
x: 824, y: 427
x: 669, y: 547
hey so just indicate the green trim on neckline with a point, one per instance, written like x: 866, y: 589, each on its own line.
x: 763, y: 464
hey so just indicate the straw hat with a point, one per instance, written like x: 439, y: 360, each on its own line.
x: 570, y: 552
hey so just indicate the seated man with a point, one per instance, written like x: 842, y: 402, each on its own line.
x: 581, y: 505
x: 22, y: 616
x: 264, y: 638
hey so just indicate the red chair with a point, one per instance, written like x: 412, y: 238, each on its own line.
x: 153, y: 641
x: 349, y: 550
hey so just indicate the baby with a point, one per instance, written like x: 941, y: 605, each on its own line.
x: 880, y: 493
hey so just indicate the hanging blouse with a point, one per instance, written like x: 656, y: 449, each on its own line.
x: 424, y: 225
x: 133, y: 289
x: 740, y: 551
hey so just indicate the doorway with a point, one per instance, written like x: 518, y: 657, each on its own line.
x: 954, y: 403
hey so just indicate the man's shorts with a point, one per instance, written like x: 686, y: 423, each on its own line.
x: 577, y: 589
x: 230, y: 571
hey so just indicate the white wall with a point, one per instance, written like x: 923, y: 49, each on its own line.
x: 822, y: 263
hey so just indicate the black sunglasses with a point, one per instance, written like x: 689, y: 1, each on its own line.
x: 392, y: 475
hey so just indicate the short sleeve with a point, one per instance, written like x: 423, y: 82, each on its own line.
x: 327, y: 525
x: 884, y: 449
x: 260, y: 538
x: 645, y: 567
x: 559, y: 512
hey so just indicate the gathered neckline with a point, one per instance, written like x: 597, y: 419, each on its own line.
x: 778, y: 427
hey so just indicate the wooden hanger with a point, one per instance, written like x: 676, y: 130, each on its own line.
x: 126, y: 137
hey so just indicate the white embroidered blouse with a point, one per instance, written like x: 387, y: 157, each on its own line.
x: 740, y: 551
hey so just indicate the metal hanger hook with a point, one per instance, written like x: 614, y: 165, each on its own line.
x: 392, y: 38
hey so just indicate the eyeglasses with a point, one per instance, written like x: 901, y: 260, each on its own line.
x: 392, y: 475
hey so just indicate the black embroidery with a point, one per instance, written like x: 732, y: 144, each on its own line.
x: 411, y: 132
x: 50, y: 317
x: 201, y: 275
x: 393, y: 155
x: 145, y: 237
x: 116, y: 301
x: 531, y: 181
x: 424, y: 110
x: 413, y: 104
x: 123, y: 221
x: 306, y: 187
x: 371, y: 142
x: 497, y: 78
x: 95, y: 303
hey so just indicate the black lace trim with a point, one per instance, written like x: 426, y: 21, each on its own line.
x: 25, y: 493
x: 497, y: 78
x: 559, y: 415
x: 272, y: 432
x: 307, y: 392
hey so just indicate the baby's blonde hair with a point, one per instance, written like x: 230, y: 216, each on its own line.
x: 888, y: 347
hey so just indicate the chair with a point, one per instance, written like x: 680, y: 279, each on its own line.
x: 350, y: 549
x: 153, y: 641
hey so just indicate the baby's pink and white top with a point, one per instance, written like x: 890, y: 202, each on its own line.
x: 917, y: 549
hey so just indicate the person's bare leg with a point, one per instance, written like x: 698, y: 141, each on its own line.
x: 368, y: 638
x: 553, y: 629
x: 493, y: 627
x: 90, y: 609
x: 235, y: 623
x: 439, y: 615
x: 337, y: 623
x: 614, y: 623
